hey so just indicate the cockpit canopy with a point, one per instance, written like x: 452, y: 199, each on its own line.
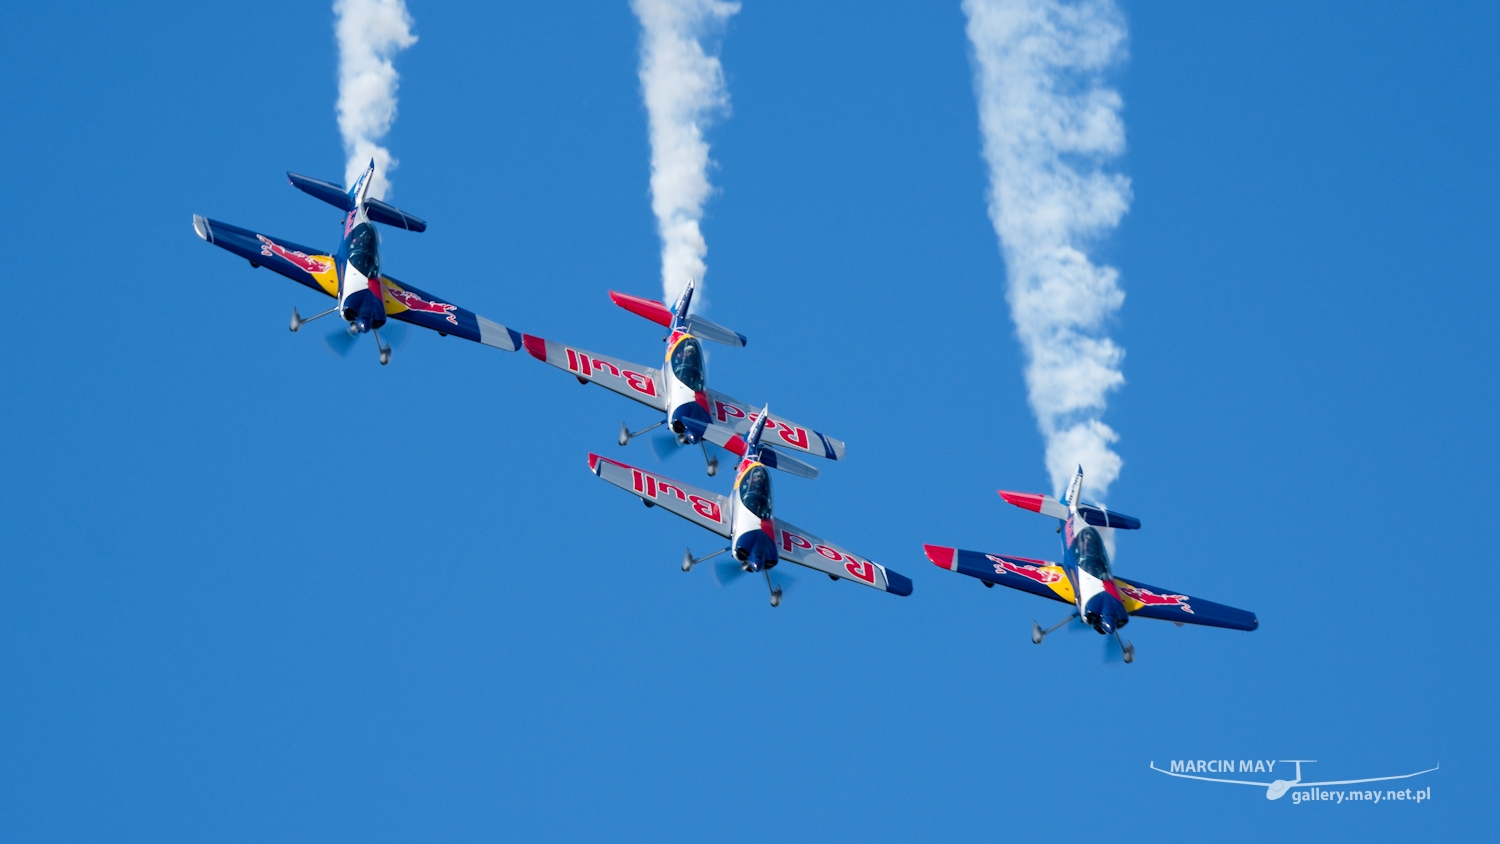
x: 687, y: 364
x: 364, y: 250
x: 755, y: 491
x: 1088, y: 550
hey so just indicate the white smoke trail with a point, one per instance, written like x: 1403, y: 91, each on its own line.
x: 1049, y: 125
x: 369, y: 33
x: 683, y: 86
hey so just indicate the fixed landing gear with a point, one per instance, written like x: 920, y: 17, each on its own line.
x: 688, y: 561
x: 626, y: 436
x: 775, y: 590
x: 298, y: 321
x: 1127, y: 650
x: 1038, y: 634
x: 385, y: 348
x: 712, y: 461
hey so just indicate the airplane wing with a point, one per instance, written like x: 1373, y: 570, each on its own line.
x: 408, y: 304
x: 302, y: 264
x: 796, y: 545
x: 631, y: 380
x: 1038, y: 577
x: 318, y: 270
x: 1154, y: 602
x: 699, y: 506
x: 1048, y: 580
x: 780, y: 431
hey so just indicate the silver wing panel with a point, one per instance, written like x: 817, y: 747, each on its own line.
x: 699, y: 506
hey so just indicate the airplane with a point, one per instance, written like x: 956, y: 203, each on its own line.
x: 366, y: 297
x: 757, y: 539
x: 696, y: 414
x: 1084, y: 579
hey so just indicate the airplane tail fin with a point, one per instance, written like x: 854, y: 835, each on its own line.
x: 1074, y: 488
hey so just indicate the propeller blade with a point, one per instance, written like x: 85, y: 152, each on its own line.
x: 726, y: 572
x: 340, y: 342
x: 665, y: 444
x: 394, y: 333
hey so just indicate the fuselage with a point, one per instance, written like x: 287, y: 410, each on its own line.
x: 361, y: 298
x: 1086, y: 560
x: 752, y: 533
x: 686, y: 375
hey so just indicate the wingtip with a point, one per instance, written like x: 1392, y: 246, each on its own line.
x: 1025, y: 500
x: 200, y: 227
x: 942, y: 556
x: 594, y: 463
x: 535, y: 346
x: 897, y: 583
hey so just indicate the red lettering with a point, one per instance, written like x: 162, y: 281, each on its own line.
x: 651, y: 486
x: 572, y: 360
x: 790, y: 539
x: 799, y: 439
x: 640, y: 383
x: 638, y: 479
x: 602, y: 365
x: 662, y: 487
x: 863, y: 571
x: 707, y: 509
x: 724, y: 411
x: 829, y: 553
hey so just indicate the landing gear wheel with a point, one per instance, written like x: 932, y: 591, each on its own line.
x: 1129, y: 652
x: 687, y: 560
x: 385, y: 356
x: 776, y: 597
x: 296, y: 320
x: 1036, y: 633
x: 624, y: 434
x: 713, y: 466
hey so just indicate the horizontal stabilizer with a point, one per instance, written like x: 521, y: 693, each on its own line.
x: 389, y: 215
x: 787, y: 463
x: 326, y: 191
x: 648, y: 308
x: 1091, y: 513
x: 1036, y: 503
x: 1100, y: 517
x: 700, y: 327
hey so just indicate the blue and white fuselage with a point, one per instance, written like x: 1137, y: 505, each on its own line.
x: 361, y: 300
x: 1085, y: 558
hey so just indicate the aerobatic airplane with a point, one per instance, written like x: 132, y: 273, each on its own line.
x: 1085, y: 580
x: 366, y: 297
x: 757, y: 539
x: 680, y: 390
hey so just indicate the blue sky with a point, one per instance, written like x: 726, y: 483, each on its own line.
x: 253, y: 592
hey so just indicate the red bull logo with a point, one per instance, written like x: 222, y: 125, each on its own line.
x: 1151, y: 599
x: 1043, y: 574
x: 302, y: 260
x: 413, y: 302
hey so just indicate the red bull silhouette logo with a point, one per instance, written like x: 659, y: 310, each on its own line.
x: 1043, y: 574
x: 302, y: 260
x: 1151, y: 599
x: 413, y: 302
